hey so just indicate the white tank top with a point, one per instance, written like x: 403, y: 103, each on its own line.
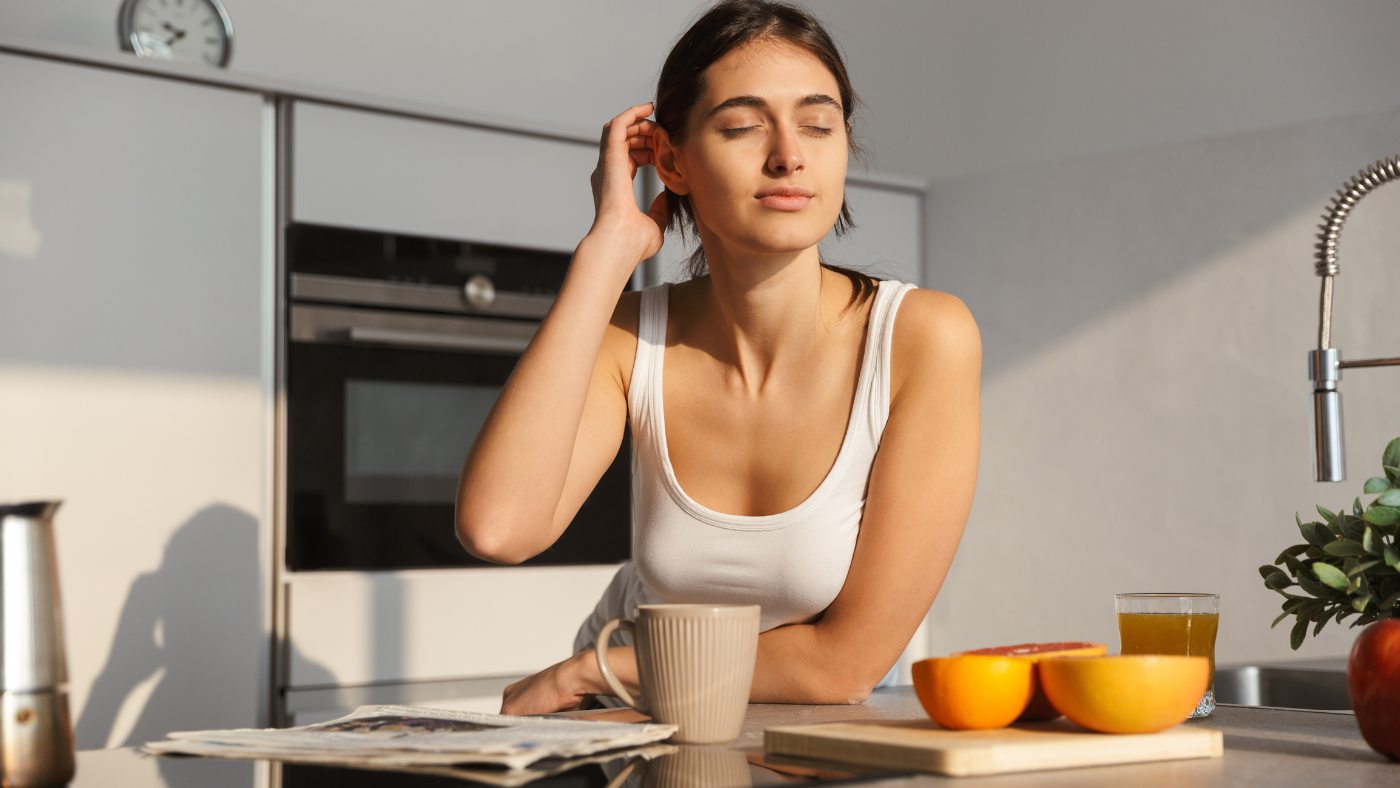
x: 793, y: 564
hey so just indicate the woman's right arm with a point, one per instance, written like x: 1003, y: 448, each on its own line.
x: 560, y: 418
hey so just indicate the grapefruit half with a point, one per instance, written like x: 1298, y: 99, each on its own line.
x: 1138, y: 693
x: 1040, y: 707
x: 973, y: 692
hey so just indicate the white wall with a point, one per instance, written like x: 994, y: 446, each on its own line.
x: 1146, y: 418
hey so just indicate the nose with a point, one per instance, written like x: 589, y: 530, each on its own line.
x: 786, y: 156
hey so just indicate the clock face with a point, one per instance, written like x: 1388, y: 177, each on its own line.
x: 196, y: 30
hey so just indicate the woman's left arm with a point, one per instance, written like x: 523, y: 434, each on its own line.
x: 920, y: 493
x: 916, y: 506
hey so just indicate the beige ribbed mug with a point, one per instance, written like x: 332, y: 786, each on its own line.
x: 695, y: 664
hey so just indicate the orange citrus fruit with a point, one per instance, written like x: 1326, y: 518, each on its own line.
x: 973, y: 692
x: 1139, y: 693
x: 1040, y: 707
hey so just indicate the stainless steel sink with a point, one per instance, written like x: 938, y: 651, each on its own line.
x: 1315, y: 684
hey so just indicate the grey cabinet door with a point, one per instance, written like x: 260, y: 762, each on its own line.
x: 133, y: 335
x: 375, y: 171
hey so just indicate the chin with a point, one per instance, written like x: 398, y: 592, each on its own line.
x: 786, y: 235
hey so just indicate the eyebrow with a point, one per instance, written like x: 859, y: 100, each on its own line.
x: 754, y: 101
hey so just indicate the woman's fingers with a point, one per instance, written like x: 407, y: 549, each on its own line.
x: 645, y: 126
x: 622, y: 124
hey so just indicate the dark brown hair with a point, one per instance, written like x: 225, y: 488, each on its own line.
x: 726, y: 26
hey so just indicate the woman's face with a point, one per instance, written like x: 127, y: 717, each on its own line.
x: 764, y: 157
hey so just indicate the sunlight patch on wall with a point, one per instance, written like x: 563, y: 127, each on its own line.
x: 138, y: 458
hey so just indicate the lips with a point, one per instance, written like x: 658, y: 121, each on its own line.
x: 785, y: 198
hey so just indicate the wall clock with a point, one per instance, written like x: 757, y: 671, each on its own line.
x: 191, y: 30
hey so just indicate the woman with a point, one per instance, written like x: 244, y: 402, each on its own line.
x: 812, y: 444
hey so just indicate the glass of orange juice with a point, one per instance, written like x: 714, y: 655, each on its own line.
x: 1171, y: 624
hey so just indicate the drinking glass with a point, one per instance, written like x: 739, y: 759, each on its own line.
x: 1171, y: 624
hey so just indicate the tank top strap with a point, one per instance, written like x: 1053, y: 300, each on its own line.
x: 651, y: 344
x: 879, y: 344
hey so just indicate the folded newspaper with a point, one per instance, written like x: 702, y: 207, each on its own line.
x: 387, y: 736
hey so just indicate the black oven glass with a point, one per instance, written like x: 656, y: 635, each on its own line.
x: 376, y: 434
x: 405, y: 442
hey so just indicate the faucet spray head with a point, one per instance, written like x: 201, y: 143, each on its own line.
x: 1329, y: 460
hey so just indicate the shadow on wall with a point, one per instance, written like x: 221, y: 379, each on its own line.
x: 190, y: 634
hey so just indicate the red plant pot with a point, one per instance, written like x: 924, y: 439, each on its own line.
x: 1373, y: 681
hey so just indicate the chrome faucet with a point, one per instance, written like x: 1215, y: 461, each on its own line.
x: 1325, y: 364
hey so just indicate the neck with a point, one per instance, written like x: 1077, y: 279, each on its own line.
x: 759, y: 312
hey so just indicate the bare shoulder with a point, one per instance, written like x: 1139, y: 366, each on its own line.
x: 619, y: 347
x: 935, y: 336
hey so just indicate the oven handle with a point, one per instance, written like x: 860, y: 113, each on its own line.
x: 394, y: 336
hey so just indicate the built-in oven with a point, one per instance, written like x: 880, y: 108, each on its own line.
x: 399, y: 346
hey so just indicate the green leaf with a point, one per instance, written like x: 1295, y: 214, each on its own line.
x: 1376, y: 484
x: 1327, y: 514
x: 1289, y: 553
x: 1321, y: 622
x: 1392, y: 557
x: 1294, y: 565
x: 1312, y: 608
x: 1300, y: 631
x: 1362, y: 567
x: 1266, y: 570
x: 1360, y: 603
x: 1277, y: 581
x: 1344, y: 547
x: 1368, y: 541
x: 1316, y: 536
x: 1390, y: 601
x: 1356, y: 508
x: 1390, y: 497
x: 1391, y: 472
x: 1281, y: 616
x: 1381, y: 515
x: 1330, y: 575
x: 1305, y: 579
x: 1391, y: 456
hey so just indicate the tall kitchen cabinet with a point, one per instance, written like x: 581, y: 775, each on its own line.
x: 135, y: 353
x: 455, y: 635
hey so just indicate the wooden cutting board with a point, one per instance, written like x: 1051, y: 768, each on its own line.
x: 1026, y: 747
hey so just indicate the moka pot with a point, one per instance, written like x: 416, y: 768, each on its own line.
x: 36, y: 733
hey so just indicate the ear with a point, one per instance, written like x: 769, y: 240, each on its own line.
x: 666, y: 159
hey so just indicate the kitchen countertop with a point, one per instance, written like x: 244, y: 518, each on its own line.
x: 1263, y: 747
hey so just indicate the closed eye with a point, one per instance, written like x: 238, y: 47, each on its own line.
x: 821, y: 131
x: 737, y: 132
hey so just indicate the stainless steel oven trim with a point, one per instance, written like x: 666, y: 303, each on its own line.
x: 343, y: 325
x: 438, y: 298
x: 390, y: 336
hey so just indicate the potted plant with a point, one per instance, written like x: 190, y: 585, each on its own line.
x: 1349, y: 566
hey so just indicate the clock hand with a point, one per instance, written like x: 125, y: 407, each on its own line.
x: 179, y: 34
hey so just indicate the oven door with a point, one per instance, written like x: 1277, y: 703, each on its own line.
x: 382, y: 408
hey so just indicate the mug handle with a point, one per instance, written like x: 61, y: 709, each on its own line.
x: 601, y: 649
